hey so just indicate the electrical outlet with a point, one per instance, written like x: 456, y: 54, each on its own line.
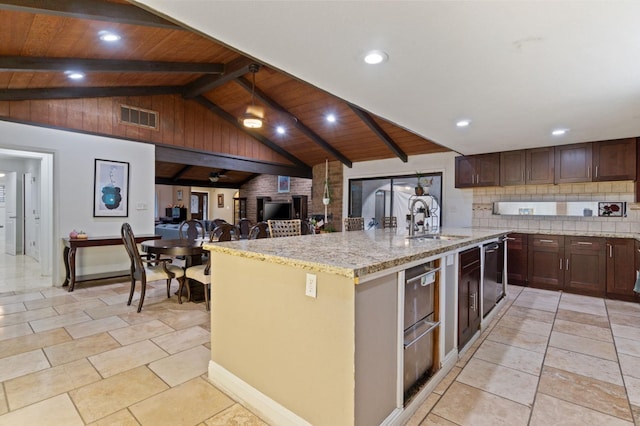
x: 310, y: 287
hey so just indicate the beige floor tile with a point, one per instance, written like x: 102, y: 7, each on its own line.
x: 120, y: 418
x: 585, y: 365
x: 59, y: 321
x: 12, y: 331
x: 584, y: 330
x: 90, y: 328
x: 33, y: 341
x: 433, y: 420
x: 597, y: 395
x: 618, y: 330
x: 540, y: 304
x: 111, y: 395
x: 22, y: 317
x: 630, y: 365
x: 139, y: 332
x: 181, y: 340
x: 3, y: 402
x: 110, y: 310
x: 502, y: 381
x: 181, y: 319
x: 12, y: 308
x: 182, y: 366
x: 620, y: 307
x: 44, y: 384
x: 21, y: 364
x: 50, y: 302
x: 632, y: 385
x: 583, y: 345
x: 583, y: 318
x: 81, y: 348
x: 446, y: 382
x: 584, y: 304
x: 237, y: 415
x: 78, y: 306
x: 134, y: 318
x: 57, y: 411
x: 126, y: 358
x: 553, y: 411
x: 527, y: 313
x: 7, y: 300
x: 526, y: 325
x: 624, y: 319
x: 466, y: 405
x: 187, y: 404
x: 511, y: 336
x: 511, y: 356
x: 628, y: 346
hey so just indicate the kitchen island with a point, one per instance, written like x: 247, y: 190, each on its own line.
x: 308, y: 330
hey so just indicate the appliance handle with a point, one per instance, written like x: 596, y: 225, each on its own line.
x: 428, y: 330
x: 418, y: 277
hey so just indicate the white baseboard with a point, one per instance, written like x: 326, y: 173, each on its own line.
x: 260, y: 404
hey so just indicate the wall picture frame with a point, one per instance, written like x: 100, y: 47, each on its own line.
x: 220, y: 200
x: 284, y: 184
x: 110, y: 188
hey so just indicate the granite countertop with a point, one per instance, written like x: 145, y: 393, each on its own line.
x: 352, y: 254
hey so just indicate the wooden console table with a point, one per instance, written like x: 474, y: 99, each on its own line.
x: 69, y: 257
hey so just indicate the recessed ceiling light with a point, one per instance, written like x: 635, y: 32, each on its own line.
x: 1, y: 174
x: 376, y: 57
x: 74, y: 75
x: 108, y: 36
x: 463, y: 123
x: 280, y: 130
x: 331, y: 118
x: 559, y: 132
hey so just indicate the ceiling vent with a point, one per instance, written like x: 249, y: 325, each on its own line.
x: 139, y: 117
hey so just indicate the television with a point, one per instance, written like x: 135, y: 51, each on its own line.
x: 275, y: 210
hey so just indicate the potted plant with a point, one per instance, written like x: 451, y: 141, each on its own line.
x: 422, y: 187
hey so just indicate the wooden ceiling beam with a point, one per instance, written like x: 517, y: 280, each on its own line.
x: 181, y: 172
x: 35, y: 64
x: 265, y: 141
x: 91, y: 9
x: 85, y: 92
x: 264, y: 98
x: 194, y: 182
x: 249, y: 178
x: 226, y: 162
x: 375, y: 128
x: 233, y: 70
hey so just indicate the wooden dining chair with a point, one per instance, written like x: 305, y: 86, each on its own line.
x: 354, y: 224
x: 259, y: 230
x: 191, y: 229
x: 245, y: 226
x: 201, y: 274
x: 224, y: 232
x: 284, y: 228
x: 147, y: 270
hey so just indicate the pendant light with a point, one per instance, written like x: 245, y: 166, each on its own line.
x: 253, y: 116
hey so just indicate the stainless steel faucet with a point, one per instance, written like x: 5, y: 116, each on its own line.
x: 413, y: 215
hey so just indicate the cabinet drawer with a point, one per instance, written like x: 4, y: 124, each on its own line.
x: 548, y: 241
x: 470, y: 259
x: 585, y: 243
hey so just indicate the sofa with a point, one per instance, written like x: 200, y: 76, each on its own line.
x: 169, y: 231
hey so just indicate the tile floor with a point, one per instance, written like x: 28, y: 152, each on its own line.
x: 87, y: 358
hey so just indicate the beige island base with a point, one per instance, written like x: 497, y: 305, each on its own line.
x: 332, y: 356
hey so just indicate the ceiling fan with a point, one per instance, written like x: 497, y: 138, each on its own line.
x: 216, y: 176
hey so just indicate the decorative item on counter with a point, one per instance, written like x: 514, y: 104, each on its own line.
x: 422, y: 187
x: 82, y: 235
x: 73, y: 234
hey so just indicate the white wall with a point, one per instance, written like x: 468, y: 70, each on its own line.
x: 456, y: 203
x: 73, y: 170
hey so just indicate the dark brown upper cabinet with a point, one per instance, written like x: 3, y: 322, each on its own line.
x: 614, y: 160
x: 573, y: 163
x: 478, y: 170
x: 531, y: 166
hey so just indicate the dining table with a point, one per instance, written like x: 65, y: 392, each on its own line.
x: 190, y: 249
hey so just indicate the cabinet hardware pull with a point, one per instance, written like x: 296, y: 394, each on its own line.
x: 585, y: 243
x: 546, y: 241
x: 523, y: 175
x: 560, y: 264
x: 511, y: 239
x: 596, y: 171
x: 567, y: 264
x: 478, y: 178
x: 432, y: 325
x: 589, y: 171
x: 611, y: 250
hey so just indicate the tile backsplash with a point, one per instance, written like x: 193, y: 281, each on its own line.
x: 483, y: 199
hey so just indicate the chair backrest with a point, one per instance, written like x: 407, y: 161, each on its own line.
x: 354, y: 224
x: 245, y: 226
x: 259, y: 230
x: 218, y: 222
x: 224, y: 232
x: 307, y: 227
x: 389, y: 222
x: 191, y: 229
x: 284, y: 228
x: 129, y: 241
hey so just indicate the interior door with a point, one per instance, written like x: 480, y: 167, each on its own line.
x: 199, y: 205
x: 31, y: 216
x: 11, y: 209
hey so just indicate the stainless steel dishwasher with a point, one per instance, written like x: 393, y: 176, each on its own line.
x: 419, y: 325
x: 492, y: 285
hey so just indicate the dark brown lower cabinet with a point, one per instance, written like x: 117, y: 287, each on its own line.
x: 621, y: 268
x: 571, y: 264
x: 517, y: 259
x: 468, y: 296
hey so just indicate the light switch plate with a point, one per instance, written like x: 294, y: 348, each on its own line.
x: 310, y: 287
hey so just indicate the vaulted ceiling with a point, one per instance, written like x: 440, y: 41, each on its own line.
x: 42, y: 41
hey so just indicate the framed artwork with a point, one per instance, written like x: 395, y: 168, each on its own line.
x: 284, y: 184
x: 111, y: 189
x: 179, y: 194
x: 617, y: 209
x: 220, y: 200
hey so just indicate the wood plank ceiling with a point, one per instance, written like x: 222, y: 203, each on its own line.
x: 42, y: 40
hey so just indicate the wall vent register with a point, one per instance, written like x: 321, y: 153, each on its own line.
x: 138, y: 117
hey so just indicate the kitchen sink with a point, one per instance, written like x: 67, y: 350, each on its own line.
x: 435, y: 237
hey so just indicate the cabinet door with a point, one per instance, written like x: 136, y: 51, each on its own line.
x: 573, y: 163
x: 585, y: 266
x: 546, y: 261
x: 488, y: 169
x: 468, y: 296
x: 517, y: 259
x: 465, y: 172
x: 540, y: 164
x: 614, y: 160
x: 512, y: 168
x: 621, y: 273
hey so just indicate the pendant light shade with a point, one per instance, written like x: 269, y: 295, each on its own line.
x: 253, y: 117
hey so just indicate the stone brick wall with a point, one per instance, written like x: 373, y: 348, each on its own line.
x: 335, y: 207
